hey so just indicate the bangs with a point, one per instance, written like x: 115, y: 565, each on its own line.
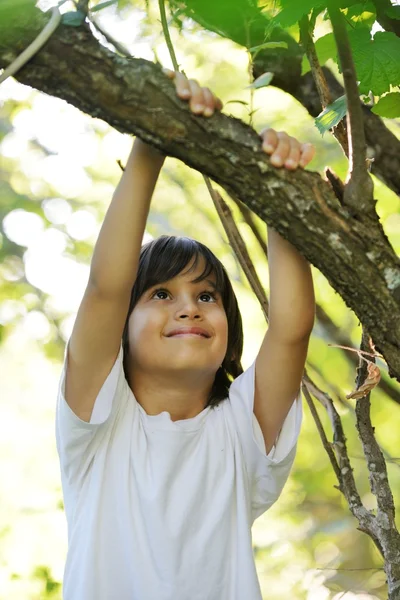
x: 167, y: 257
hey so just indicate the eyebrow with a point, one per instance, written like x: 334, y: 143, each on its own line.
x: 209, y: 281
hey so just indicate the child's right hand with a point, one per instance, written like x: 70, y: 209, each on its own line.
x: 202, y: 100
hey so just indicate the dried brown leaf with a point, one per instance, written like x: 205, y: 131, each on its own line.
x: 372, y: 380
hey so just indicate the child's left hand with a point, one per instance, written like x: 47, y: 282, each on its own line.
x: 284, y: 150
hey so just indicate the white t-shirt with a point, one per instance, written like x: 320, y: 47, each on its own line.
x: 162, y: 510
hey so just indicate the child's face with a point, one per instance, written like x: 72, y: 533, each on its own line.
x: 179, y: 304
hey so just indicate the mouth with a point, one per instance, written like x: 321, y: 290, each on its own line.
x: 190, y: 332
x: 201, y: 335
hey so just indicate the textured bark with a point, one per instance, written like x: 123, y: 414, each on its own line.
x: 134, y: 96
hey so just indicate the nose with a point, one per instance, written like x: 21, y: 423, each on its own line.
x: 188, y: 309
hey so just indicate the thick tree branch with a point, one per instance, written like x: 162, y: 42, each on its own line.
x: 133, y: 95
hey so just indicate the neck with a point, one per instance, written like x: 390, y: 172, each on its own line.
x: 183, y: 395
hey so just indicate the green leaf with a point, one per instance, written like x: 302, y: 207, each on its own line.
x: 393, y: 12
x: 332, y: 115
x: 361, y: 14
x: 376, y: 61
x: 10, y: 9
x: 292, y: 11
x: 388, y: 106
x: 325, y: 48
x: 74, y: 18
x: 103, y: 5
x: 262, y: 81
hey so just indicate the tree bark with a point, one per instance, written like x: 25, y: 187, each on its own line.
x: 134, y: 96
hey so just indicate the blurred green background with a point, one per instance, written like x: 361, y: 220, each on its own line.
x: 58, y: 170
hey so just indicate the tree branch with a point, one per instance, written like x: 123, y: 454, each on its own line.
x: 378, y: 479
x: 358, y: 193
x: 324, y: 93
x: 347, y: 484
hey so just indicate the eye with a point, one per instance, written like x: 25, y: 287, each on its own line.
x: 159, y: 293
x: 211, y: 297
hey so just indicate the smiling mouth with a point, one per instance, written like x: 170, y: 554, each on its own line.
x: 189, y: 335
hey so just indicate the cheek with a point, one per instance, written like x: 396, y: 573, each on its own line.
x: 143, y: 324
x: 221, y: 328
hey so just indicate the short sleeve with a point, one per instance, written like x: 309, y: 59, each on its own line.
x: 267, y: 473
x: 77, y: 440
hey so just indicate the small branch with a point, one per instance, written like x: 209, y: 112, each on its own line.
x: 376, y: 463
x: 322, y: 433
x: 167, y: 36
x: 358, y: 193
x: 386, y: 529
x: 309, y: 48
x: 347, y: 484
x: 324, y: 93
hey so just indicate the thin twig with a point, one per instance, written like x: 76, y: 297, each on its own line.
x: 249, y: 219
x: 321, y: 431
x: 239, y: 247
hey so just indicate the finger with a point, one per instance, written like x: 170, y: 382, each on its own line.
x: 170, y: 74
x: 209, y: 102
x: 282, y: 150
x: 270, y: 140
x: 218, y: 103
x: 197, y: 103
x: 292, y: 160
x: 182, y: 86
x: 307, y: 154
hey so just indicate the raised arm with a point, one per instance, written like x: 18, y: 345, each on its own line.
x: 116, y: 253
x: 96, y: 337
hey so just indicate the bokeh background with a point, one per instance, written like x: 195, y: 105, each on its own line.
x: 58, y: 171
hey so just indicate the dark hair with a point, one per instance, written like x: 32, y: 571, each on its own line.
x: 163, y: 259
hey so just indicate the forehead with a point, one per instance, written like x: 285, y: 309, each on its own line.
x: 197, y: 268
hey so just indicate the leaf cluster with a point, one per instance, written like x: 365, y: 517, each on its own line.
x: 376, y: 56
